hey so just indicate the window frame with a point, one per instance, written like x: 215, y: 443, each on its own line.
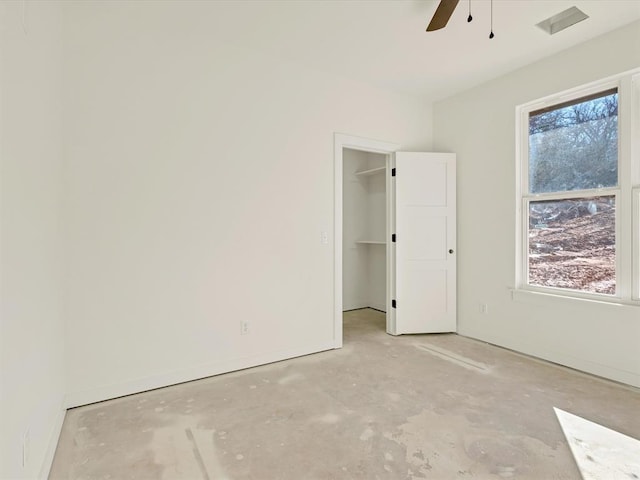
x: 626, y: 192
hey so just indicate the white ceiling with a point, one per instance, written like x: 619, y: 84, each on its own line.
x: 384, y: 42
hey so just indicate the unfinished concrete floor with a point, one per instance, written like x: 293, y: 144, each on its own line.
x: 421, y: 406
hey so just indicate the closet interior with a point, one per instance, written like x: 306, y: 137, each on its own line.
x: 364, y: 246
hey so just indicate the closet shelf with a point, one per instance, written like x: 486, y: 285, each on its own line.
x: 372, y: 242
x: 372, y: 171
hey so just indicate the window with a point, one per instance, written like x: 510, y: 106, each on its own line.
x: 576, y: 200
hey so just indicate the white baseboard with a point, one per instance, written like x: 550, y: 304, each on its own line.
x: 129, y: 387
x: 378, y: 306
x: 560, y: 358
x: 52, y: 444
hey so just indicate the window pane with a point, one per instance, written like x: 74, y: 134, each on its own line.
x: 574, y: 146
x: 572, y: 244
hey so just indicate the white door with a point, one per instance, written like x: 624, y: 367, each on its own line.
x: 425, y: 256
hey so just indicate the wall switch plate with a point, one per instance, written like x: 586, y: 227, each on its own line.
x: 244, y: 327
x: 324, y: 238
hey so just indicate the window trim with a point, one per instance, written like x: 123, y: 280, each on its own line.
x: 627, y: 191
x: 636, y: 244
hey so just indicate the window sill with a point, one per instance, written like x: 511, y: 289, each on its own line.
x: 522, y: 295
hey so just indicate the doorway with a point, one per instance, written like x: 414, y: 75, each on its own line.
x: 420, y: 191
x: 365, y: 244
x: 364, y: 226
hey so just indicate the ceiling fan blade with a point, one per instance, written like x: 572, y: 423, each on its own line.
x: 442, y: 15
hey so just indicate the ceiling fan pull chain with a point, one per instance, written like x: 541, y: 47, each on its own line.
x: 469, y: 18
x: 491, y: 35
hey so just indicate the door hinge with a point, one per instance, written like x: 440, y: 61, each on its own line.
x: 393, y: 237
x: 393, y: 303
x: 393, y: 172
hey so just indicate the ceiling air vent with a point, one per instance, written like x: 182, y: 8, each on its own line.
x: 562, y: 20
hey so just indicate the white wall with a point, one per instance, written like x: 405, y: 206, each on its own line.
x: 364, y: 218
x: 200, y: 176
x: 355, y: 258
x: 479, y: 126
x: 32, y: 383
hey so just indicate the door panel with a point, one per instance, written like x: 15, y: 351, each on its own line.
x: 425, y: 279
x: 425, y: 238
x: 422, y: 171
x: 416, y: 306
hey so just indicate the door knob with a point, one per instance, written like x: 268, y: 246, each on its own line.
x: 451, y: 250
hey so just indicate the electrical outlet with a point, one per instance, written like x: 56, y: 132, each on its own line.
x: 484, y: 308
x: 26, y: 447
x: 244, y: 327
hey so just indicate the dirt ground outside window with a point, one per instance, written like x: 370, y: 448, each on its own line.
x: 572, y: 245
